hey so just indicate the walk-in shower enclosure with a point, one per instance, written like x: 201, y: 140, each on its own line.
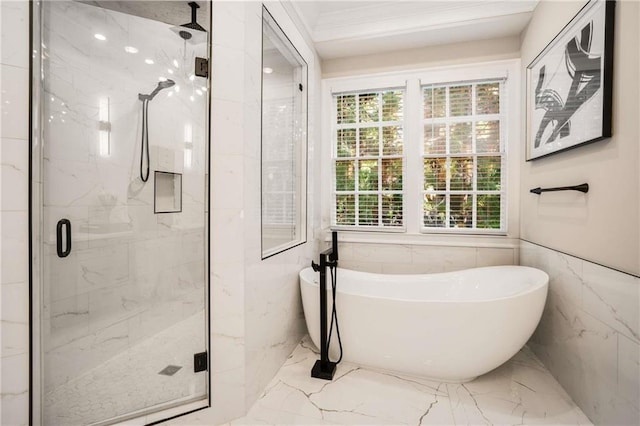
x: 119, y: 265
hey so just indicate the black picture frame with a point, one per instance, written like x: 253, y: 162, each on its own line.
x: 569, y: 84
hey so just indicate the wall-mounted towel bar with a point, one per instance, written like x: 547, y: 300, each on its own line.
x: 584, y: 187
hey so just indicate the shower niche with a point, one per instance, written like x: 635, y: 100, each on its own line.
x: 120, y: 135
x: 168, y: 192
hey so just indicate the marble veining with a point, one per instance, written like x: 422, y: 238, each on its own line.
x: 588, y: 334
x: 519, y: 392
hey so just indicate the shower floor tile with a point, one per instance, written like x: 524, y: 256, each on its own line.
x: 522, y: 391
x: 130, y: 381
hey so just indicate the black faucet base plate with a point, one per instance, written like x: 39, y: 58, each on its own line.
x: 323, y: 370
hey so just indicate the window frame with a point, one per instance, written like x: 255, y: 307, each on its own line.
x: 300, y: 141
x: 502, y: 116
x: 357, y: 158
x: 412, y: 81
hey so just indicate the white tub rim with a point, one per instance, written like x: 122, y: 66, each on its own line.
x: 541, y: 283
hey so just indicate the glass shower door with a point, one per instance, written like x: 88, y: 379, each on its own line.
x: 124, y: 245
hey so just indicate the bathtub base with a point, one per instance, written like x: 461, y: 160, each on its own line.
x: 454, y: 381
x: 417, y: 374
x: 323, y: 370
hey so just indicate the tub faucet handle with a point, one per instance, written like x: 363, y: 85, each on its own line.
x: 315, y: 266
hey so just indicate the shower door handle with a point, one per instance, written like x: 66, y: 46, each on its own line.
x: 66, y: 224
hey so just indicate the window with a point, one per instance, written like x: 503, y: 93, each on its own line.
x: 463, y: 156
x: 284, y: 137
x: 368, y: 161
x: 425, y: 152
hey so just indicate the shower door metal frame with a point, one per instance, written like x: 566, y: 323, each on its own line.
x: 35, y: 232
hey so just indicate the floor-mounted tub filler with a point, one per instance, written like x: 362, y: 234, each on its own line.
x: 450, y: 327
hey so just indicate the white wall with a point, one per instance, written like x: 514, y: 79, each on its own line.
x: 425, y: 57
x: 589, y: 334
x: 603, y: 225
x: 14, y: 180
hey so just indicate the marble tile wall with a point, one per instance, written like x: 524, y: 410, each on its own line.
x: 421, y: 259
x: 273, y: 309
x: 14, y: 180
x: 589, y: 335
x: 266, y: 292
x: 255, y: 304
x: 227, y: 215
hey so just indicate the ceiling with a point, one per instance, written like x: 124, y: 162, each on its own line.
x: 169, y: 12
x: 351, y: 28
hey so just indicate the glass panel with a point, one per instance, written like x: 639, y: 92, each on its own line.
x: 460, y: 100
x: 435, y: 138
x: 345, y: 175
x: 488, y: 136
x: 434, y: 210
x: 284, y: 137
x: 369, y: 141
x: 489, y: 173
x: 460, y: 139
x: 488, y: 98
x: 435, y: 174
x: 369, y: 107
x: 488, y: 211
x: 392, y: 137
x: 346, y: 105
x: 435, y: 102
x: 347, y: 143
x: 461, y: 207
x: 461, y: 174
x: 368, y: 210
x: 368, y: 175
x: 391, y: 174
x: 124, y: 313
x: 392, y: 209
x: 345, y: 210
x: 392, y: 106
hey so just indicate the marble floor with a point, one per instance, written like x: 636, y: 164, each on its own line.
x: 130, y: 381
x: 520, y: 392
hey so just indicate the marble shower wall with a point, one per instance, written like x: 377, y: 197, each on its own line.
x: 256, y: 310
x: 589, y: 335
x: 14, y: 178
x: 131, y: 272
x: 421, y: 259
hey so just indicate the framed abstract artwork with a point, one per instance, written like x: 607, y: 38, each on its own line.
x: 569, y: 84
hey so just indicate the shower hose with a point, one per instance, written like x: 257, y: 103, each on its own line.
x: 144, y: 147
x: 334, y: 315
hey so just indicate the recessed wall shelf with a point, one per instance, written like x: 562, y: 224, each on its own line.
x: 167, y: 192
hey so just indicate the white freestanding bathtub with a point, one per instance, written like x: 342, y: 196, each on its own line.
x: 448, y: 327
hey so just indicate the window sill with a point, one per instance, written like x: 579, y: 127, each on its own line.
x: 445, y: 240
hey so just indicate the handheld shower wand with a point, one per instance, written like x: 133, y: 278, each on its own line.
x: 144, y: 149
x: 161, y: 85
